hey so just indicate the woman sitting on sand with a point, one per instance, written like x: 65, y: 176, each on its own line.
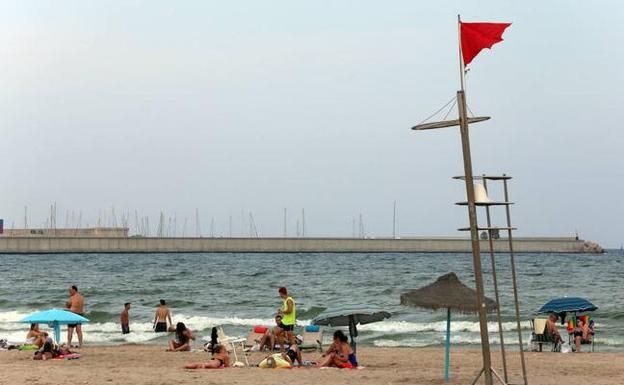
x: 339, y: 354
x: 35, y: 336
x: 182, y: 343
x: 220, y: 359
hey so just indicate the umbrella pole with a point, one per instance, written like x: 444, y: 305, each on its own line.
x: 57, y: 332
x: 447, y: 347
x: 352, y: 332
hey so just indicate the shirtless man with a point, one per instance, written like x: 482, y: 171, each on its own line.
x: 75, y: 304
x: 124, y: 319
x: 163, y: 314
x: 551, y: 324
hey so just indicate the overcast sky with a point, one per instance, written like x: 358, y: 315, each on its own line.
x: 259, y: 106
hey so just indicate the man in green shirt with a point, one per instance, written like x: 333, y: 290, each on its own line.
x: 288, y: 311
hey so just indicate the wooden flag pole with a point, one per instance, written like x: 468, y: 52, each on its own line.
x: 462, y: 70
x: 472, y: 216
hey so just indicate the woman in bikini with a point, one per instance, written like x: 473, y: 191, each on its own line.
x: 35, y: 336
x: 339, y: 354
x: 581, y: 334
x: 182, y: 343
x: 220, y: 359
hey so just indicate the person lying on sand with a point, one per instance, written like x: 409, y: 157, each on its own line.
x: 49, y: 349
x: 293, y: 353
x: 220, y: 359
x: 286, y: 359
x: 35, y: 336
x: 339, y: 354
x: 182, y: 343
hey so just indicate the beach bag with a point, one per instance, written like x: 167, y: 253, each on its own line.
x: 565, y: 347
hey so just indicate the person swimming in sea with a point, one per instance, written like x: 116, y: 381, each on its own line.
x: 220, y: 359
x: 163, y: 314
x: 124, y: 319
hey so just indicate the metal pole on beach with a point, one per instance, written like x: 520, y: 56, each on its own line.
x: 447, y: 346
x: 514, y: 282
x: 495, y: 283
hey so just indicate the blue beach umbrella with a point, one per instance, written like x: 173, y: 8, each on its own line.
x: 55, y: 318
x: 350, y: 316
x: 567, y: 304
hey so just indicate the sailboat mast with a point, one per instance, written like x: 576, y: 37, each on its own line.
x: 394, y: 220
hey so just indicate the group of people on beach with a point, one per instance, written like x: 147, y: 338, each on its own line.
x: 582, y: 331
x: 282, y: 335
x: 43, y: 344
x: 339, y: 354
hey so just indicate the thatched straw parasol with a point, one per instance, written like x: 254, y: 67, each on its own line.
x: 449, y: 293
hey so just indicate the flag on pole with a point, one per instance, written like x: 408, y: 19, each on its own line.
x: 477, y: 36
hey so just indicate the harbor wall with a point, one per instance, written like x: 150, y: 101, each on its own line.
x: 43, y: 245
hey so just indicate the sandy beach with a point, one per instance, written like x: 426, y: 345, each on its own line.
x: 143, y: 365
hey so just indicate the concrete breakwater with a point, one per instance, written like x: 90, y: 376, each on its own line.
x: 45, y: 245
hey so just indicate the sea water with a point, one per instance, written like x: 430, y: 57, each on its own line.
x: 239, y: 291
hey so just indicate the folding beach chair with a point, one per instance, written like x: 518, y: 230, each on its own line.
x: 231, y: 343
x: 254, y: 337
x: 312, y: 338
x: 540, y: 336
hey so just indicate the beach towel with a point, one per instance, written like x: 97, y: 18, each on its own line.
x: 71, y: 356
x: 539, y: 324
x: 28, y: 347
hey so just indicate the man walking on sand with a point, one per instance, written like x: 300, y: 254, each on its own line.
x: 124, y: 319
x: 75, y: 304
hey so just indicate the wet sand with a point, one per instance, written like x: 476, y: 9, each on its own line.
x: 151, y: 365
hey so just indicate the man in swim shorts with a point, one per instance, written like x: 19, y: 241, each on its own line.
x: 75, y: 304
x: 163, y: 314
x: 124, y: 319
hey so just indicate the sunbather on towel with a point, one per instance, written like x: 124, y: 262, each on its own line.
x: 339, y: 354
x: 220, y: 359
x: 182, y: 343
x: 49, y: 349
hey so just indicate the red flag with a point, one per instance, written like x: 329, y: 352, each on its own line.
x: 477, y: 36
